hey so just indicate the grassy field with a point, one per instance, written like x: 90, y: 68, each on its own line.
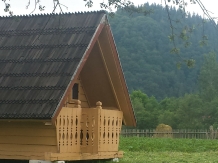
x: 161, y: 150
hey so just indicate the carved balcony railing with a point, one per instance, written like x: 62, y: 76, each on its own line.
x: 88, y: 130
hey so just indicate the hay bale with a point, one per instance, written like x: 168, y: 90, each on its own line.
x: 163, y: 131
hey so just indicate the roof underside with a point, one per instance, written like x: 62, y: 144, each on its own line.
x: 38, y: 57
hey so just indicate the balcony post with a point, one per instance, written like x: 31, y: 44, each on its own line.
x: 99, y: 105
x: 77, y: 104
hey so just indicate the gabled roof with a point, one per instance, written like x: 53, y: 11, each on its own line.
x: 41, y: 57
x: 38, y: 57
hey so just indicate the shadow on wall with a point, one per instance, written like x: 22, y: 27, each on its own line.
x: 13, y: 161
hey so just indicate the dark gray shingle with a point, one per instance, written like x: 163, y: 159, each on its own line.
x: 38, y: 56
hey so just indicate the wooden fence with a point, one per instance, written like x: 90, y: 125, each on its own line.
x: 181, y: 133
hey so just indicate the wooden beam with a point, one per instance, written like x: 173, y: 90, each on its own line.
x: 108, y: 74
x: 83, y: 156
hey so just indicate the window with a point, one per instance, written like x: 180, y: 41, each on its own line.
x: 75, y: 91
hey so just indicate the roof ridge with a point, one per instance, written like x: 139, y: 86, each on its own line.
x: 54, y: 14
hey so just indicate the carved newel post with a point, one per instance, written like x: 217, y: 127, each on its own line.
x: 77, y: 103
x: 99, y: 105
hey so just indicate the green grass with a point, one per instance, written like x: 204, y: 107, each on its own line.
x: 163, y: 150
x: 169, y: 157
x: 167, y: 145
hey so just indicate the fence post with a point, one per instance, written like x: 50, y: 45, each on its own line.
x: 215, y: 134
x: 211, y: 132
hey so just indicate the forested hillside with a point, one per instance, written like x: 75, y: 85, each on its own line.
x: 144, y: 49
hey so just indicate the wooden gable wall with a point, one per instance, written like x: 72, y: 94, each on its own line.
x: 94, y: 83
x: 101, y: 78
x: 96, y: 80
x: 81, y: 96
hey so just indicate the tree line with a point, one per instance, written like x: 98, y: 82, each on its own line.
x: 145, y: 50
x: 197, y: 110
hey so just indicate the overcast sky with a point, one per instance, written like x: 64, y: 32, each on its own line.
x: 19, y: 6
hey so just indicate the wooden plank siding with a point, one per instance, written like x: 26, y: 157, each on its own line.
x: 25, y: 140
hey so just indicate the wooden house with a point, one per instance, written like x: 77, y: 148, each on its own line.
x: 63, y: 94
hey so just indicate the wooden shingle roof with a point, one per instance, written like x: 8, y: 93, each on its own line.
x: 38, y: 57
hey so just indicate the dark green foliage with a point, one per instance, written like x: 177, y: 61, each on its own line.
x: 191, y: 111
x: 187, y: 112
x: 170, y: 92
x: 144, y: 48
x: 208, y: 78
x: 145, y: 110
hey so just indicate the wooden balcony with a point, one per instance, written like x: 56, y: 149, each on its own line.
x: 87, y: 133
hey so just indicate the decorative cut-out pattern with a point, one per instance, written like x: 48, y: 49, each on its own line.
x: 88, y: 130
x: 109, y: 129
x: 68, y: 128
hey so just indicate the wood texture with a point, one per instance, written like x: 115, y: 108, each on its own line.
x: 77, y: 130
x: 176, y: 133
x: 25, y: 140
x: 81, y: 96
x: 79, y: 133
x: 88, y: 130
x: 84, y: 156
x: 96, y: 82
x: 109, y: 129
